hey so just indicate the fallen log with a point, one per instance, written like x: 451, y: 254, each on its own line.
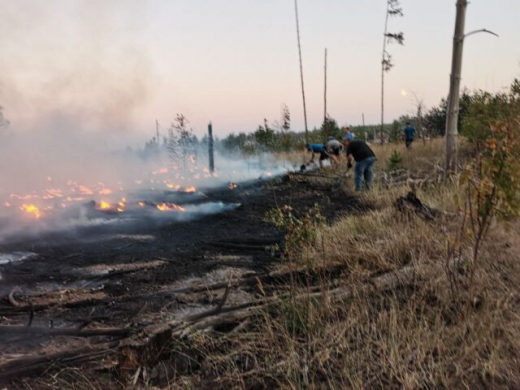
x: 272, y: 278
x: 43, y: 331
x: 404, y: 277
x: 231, y: 245
x: 34, y: 365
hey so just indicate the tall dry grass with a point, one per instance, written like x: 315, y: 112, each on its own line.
x: 423, y: 336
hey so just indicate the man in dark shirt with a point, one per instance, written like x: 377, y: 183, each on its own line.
x: 365, y: 158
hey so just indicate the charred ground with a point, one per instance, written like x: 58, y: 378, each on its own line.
x: 110, y: 277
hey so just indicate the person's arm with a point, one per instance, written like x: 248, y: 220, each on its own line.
x: 349, y: 161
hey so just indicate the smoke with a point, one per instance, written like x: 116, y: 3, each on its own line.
x: 73, y: 94
x: 68, y: 180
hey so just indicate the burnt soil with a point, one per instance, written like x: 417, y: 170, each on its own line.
x: 64, y: 294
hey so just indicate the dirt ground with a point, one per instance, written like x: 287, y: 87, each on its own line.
x: 133, y: 277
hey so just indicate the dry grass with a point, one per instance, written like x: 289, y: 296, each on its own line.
x: 414, y: 338
x: 425, y: 336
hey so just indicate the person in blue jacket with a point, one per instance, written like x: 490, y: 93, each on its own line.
x: 409, y: 134
x: 318, y: 149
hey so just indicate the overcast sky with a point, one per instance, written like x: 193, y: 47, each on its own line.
x: 117, y: 65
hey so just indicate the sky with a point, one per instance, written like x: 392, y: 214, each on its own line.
x: 115, y: 66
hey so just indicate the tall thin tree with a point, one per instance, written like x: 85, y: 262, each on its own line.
x: 325, y: 91
x: 452, y: 114
x: 393, y: 8
x: 301, y: 70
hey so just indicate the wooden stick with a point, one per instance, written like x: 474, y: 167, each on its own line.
x: 17, y: 330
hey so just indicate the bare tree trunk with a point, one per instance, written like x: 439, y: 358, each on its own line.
x: 301, y: 70
x: 325, y: 91
x: 452, y: 114
x: 383, y: 66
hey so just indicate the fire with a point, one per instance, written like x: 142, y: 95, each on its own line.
x: 190, y: 189
x: 141, y: 204
x: 104, y: 205
x: 233, y: 186
x: 85, y: 190
x: 105, y: 191
x: 121, y: 205
x: 169, y: 207
x: 31, y: 209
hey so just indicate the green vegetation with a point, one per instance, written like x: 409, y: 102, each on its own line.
x: 395, y: 160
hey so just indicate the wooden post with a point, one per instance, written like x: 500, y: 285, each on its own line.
x: 210, y: 149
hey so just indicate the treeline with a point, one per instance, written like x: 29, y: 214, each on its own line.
x: 277, y: 136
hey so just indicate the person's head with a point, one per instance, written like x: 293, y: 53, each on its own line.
x: 308, y: 147
x: 408, y: 123
x: 346, y: 130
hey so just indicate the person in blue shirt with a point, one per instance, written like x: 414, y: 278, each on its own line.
x: 318, y: 149
x: 409, y: 134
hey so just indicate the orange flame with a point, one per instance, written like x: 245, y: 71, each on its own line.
x: 233, y: 186
x: 190, y: 189
x: 85, y: 190
x: 31, y: 209
x: 104, y: 205
x: 170, y: 207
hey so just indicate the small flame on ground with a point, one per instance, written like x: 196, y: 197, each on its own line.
x: 190, y: 189
x: 85, y: 190
x: 31, y: 209
x: 233, y: 186
x: 170, y: 207
x: 121, y: 205
x: 104, y: 205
